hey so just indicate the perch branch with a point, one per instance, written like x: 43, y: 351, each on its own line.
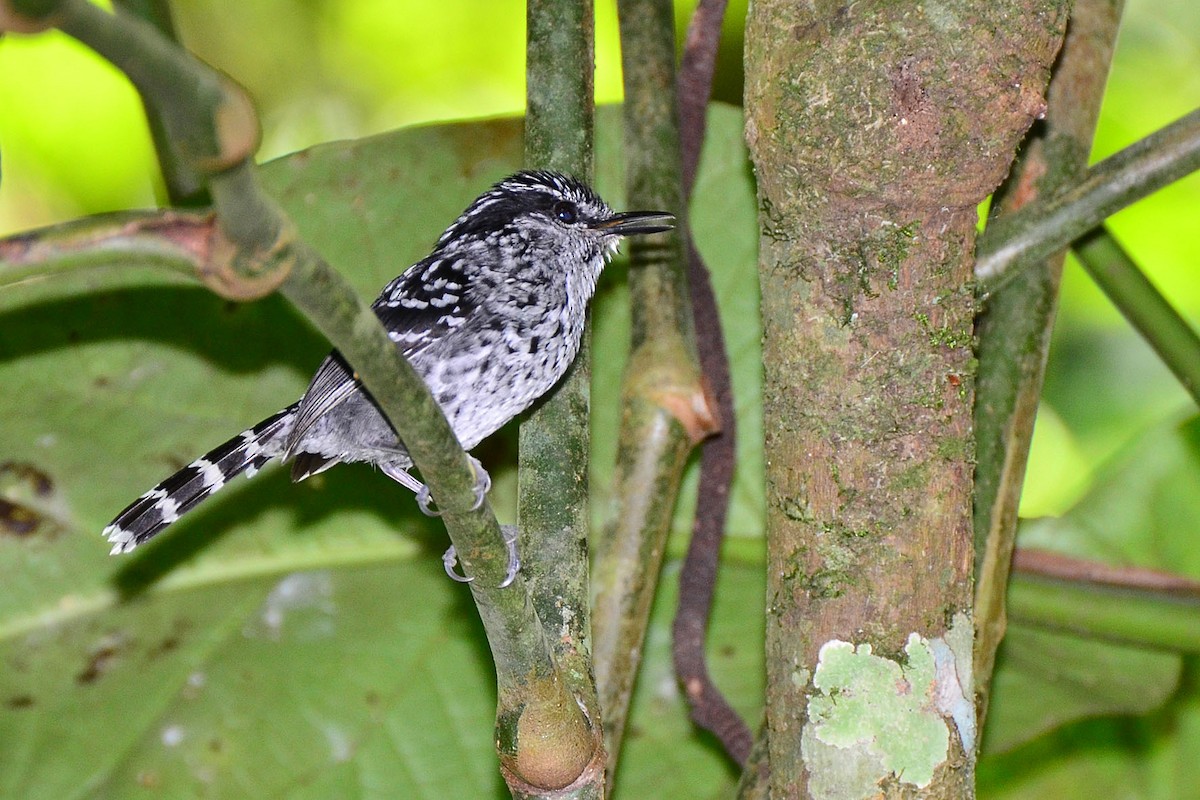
x: 213, y: 124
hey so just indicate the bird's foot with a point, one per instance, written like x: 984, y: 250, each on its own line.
x: 483, y: 484
x: 449, y: 562
x: 509, y: 537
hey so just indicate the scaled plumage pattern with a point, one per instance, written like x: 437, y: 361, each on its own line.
x: 491, y: 319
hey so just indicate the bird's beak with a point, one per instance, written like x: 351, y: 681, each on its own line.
x: 629, y: 223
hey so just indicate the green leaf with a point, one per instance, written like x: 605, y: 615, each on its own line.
x: 288, y: 640
x: 1147, y: 756
x: 1137, y: 506
x: 1132, y: 516
x: 1046, y: 679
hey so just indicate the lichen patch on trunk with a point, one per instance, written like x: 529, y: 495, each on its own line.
x: 872, y: 719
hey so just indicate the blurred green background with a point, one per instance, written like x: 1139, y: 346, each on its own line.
x: 73, y: 142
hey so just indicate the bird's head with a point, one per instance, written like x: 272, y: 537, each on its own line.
x: 553, y: 210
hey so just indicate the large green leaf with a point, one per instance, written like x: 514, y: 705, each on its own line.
x: 1141, y: 511
x: 292, y: 640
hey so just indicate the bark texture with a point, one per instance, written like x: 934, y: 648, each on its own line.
x: 876, y: 129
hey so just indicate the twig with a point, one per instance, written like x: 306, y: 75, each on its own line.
x: 1015, y: 242
x: 1143, y: 305
x: 1047, y: 564
x: 694, y: 83
x: 171, y: 241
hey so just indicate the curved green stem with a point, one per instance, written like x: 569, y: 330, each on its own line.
x: 208, y: 118
x: 124, y: 241
x: 184, y: 187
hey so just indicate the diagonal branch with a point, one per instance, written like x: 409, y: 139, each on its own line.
x: 1115, y: 272
x: 1017, y: 241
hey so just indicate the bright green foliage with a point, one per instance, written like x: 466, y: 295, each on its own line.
x: 295, y: 640
x: 300, y: 641
x: 1142, y: 511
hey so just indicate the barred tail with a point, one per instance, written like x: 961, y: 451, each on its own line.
x: 178, y: 494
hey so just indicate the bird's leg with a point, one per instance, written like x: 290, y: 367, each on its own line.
x: 483, y: 484
x: 401, y: 476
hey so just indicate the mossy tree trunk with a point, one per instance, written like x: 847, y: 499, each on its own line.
x: 876, y: 129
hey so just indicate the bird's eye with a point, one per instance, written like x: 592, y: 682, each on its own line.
x: 565, y: 212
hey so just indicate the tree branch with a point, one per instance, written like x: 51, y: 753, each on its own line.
x: 1013, y: 331
x: 694, y: 83
x: 870, y: 167
x: 1115, y: 272
x: 666, y: 411
x: 1018, y: 241
x: 1037, y: 563
x: 177, y: 242
x: 555, y: 440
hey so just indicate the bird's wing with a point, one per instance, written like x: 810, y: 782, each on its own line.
x: 425, y: 303
x: 332, y: 384
x: 428, y: 301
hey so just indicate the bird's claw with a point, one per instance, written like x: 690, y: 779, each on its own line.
x: 449, y: 561
x: 509, y: 537
x: 423, y: 500
x: 483, y: 485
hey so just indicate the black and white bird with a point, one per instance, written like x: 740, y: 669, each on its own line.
x: 491, y: 319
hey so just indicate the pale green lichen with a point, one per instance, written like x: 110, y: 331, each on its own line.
x: 881, y: 718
